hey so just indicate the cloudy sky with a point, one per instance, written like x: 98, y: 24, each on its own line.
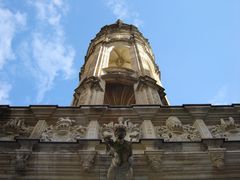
x: 43, y: 44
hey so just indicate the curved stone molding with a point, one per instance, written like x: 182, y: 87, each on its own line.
x: 64, y: 131
x: 174, y: 130
x: 227, y: 129
x: 14, y: 128
x: 132, y: 130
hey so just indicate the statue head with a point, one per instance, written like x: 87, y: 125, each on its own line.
x: 120, y: 132
x: 174, y: 124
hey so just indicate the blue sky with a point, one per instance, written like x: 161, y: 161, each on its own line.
x: 43, y: 44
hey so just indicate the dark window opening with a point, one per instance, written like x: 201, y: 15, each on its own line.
x: 119, y: 94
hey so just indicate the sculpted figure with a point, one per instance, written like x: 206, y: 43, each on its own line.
x: 121, y: 151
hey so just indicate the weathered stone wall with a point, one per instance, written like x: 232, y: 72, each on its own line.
x: 169, y: 142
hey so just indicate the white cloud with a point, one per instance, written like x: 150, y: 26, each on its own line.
x: 52, y: 57
x: 5, y: 89
x: 121, y: 10
x: 221, y: 96
x: 47, y: 55
x: 50, y: 11
x: 10, y: 23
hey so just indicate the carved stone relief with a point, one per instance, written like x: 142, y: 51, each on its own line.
x: 175, y: 131
x: 132, y: 130
x: 88, y: 160
x: 216, y: 156
x: 227, y: 129
x: 14, y: 128
x: 22, y: 156
x: 154, y: 159
x: 64, y: 130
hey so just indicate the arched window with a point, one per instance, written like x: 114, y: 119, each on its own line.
x: 119, y: 94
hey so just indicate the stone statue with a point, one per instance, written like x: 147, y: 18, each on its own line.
x: 121, y: 151
x: 132, y: 130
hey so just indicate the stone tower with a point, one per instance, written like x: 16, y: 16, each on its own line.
x: 119, y: 69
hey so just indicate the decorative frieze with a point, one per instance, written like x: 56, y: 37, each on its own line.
x: 64, y: 131
x: 132, y: 130
x: 14, y: 128
x: 227, y: 129
x: 174, y: 130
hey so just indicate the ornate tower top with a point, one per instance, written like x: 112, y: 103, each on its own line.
x: 119, y: 69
